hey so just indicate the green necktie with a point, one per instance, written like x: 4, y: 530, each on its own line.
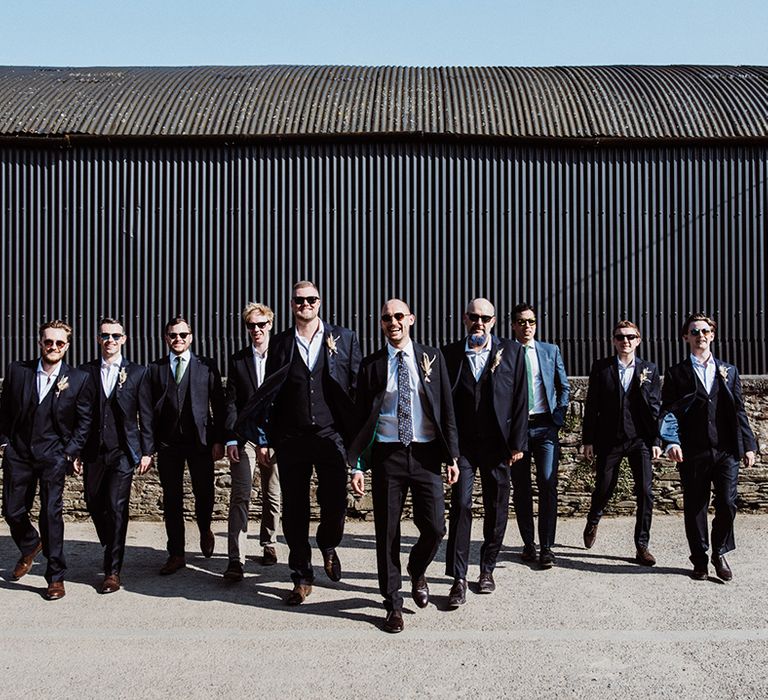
x: 529, y: 372
x: 179, y: 369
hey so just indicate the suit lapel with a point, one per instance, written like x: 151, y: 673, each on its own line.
x: 724, y: 378
x: 424, y: 360
x: 328, y: 340
x: 250, y: 366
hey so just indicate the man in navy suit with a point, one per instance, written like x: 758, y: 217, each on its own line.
x: 548, y: 393
x: 706, y: 431
x: 490, y: 400
x: 407, y: 431
x: 244, y: 376
x: 45, y: 413
x: 120, y: 441
x: 304, y: 410
x: 188, y: 420
x: 621, y: 418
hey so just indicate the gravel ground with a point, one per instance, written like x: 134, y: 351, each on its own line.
x: 597, y: 625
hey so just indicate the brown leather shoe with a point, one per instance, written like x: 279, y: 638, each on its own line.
x: 299, y: 594
x: 55, y: 590
x: 332, y: 565
x: 111, y: 584
x: 270, y: 556
x: 25, y: 563
x: 486, y: 584
x: 419, y: 589
x: 644, y: 557
x: 590, y: 535
x: 207, y: 542
x: 173, y: 564
x: 700, y: 573
x: 722, y: 569
x: 394, y: 622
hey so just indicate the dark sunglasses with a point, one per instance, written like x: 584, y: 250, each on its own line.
x: 479, y: 317
x: 700, y: 331
x: 257, y: 324
x: 115, y: 336
x: 388, y: 318
x: 58, y: 343
x: 629, y: 336
x: 182, y: 335
x: 526, y: 321
x: 310, y: 301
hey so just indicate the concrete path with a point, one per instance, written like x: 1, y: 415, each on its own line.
x: 596, y: 626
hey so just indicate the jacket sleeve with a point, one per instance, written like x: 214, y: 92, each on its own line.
x: 355, y: 358
x: 669, y: 432
x: 747, y: 436
x: 518, y: 427
x: 230, y: 400
x: 6, y: 408
x: 562, y: 387
x: 450, y: 432
x: 83, y: 417
x: 146, y: 415
x: 591, y: 403
x: 218, y: 403
x: 654, y: 401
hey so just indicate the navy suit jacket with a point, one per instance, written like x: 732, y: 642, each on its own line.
x: 556, y: 386
x: 205, y: 392
x: 133, y: 414
x: 342, y: 363
x: 679, y: 394
x: 509, y: 386
x: 71, y: 410
x: 602, y: 408
x: 372, y: 384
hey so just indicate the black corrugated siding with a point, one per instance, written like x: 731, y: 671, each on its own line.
x: 587, y: 235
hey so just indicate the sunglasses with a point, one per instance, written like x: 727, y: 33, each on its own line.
x: 115, y: 336
x: 257, y: 324
x: 526, y: 321
x: 629, y: 336
x: 388, y: 318
x: 700, y: 331
x: 309, y: 301
x: 182, y: 335
x: 479, y: 317
x: 58, y: 343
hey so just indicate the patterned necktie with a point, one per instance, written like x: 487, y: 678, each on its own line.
x: 404, y: 417
x: 529, y: 372
x: 179, y: 369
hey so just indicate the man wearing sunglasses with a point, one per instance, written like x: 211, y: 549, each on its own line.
x: 490, y: 400
x: 621, y: 416
x: 548, y: 393
x: 244, y: 376
x: 120, y: 441
x: 304, y: 410
x: 189, y: 416
x: 706, y: 431
x: 407, y: 432
x: 45, y: 413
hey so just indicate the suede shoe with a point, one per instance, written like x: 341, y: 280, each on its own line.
x: 458, y: 594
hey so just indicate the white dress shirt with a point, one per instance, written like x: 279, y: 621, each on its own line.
x: 45, y: 382
x: 109, y: 374
x: 626, y: 372
x: 477, y: 360
x: 540, y: 404
x: 259, y: 363
x: 386, y: 429
x: 174, y: 360
x: 705, y: 371
x: 310, y: 350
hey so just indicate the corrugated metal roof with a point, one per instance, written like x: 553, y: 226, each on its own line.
x: 636, y: 102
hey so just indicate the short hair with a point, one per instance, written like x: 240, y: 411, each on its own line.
x: 257, y: 307
x: 57, y: 324
x: 175, y: 321
x: 698, y: 316
x: 624, y: 323
x: 522, y: 306
x: 109, y: 321
x: 301, y: 284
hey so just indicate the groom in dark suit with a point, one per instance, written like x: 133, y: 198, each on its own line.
x: 490, y: 399
x: 408, y: 431
x: 304, y: 411
x: 120, y: 441
x: 45, y: 413
x: 621, y: 416
x: 706, y: 431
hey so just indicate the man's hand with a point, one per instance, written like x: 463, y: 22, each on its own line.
x: 263, y: 457
x: 217, y: 451
x: 589, y: 452
x: 77, y: 465
x: 233, y: 454
x: 452, y: 473
x: 358, y: 483
x: 655, y: 452
x: 145, y: 464
x: 749, y: 459
x: 675, y: 453
x: 515, y: 457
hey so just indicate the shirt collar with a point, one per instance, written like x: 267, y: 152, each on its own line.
x: 407, y: 350
x: 116, y: 363
x: 530, y: 344
x: 485, y: 348
x: 319, y: 333
x: 630, y: 365
x: 258, y: 354
x: 697, y: 362
x: 54, y: 373
x: 186, y: 355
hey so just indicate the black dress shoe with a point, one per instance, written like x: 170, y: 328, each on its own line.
x: 269, y: 558
x: 299, y: 594
x: 590, y: 535
x: 332, y: 565
x: 419, y: 589
x: 699, y: 574
x: 173, y: 564
x: 486, y: 584
x: 722, y: 569
x: 394, y: 622
x: 234, y: 571
x: 546, y: 558
x: 207, y: 543
x: 529, y: 553
x: 458, y: 594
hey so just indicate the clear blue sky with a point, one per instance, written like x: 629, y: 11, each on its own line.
x: 414, y: 32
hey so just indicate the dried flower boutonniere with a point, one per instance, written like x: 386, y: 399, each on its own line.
x: 645, y: 376
x: 330, y: 341
x: 121, y: 378
x: 62, y: 384
x: 723, y: 372
x: 496, y: 360
x: 426, y: 365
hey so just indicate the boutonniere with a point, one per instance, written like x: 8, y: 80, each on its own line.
x: 496, y: 360
x: 645, y: 376
x: 723, y: 372
x: 62, y: 384
x: 121, y: 378
x: 426, y: 365
x: 330, y: 341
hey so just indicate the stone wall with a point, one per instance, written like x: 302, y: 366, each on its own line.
x: 575, y: 484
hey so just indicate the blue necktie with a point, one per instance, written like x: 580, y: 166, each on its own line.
x: 404, y: 417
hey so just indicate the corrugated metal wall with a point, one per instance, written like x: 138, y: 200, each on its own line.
x: 588, y: 235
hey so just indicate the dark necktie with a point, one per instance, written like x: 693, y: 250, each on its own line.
x: 404, y: 417
x: 179, y: 369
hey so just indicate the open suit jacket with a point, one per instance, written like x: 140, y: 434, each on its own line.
x: 438, y: 406
x: 133, y: 414
x: 342, y: 362
x: 601, y: 426
x: 680, y: 393
x: 71, y: 410
x: 206, y: 395
x: 556, y: 386
x: 509, y: 387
